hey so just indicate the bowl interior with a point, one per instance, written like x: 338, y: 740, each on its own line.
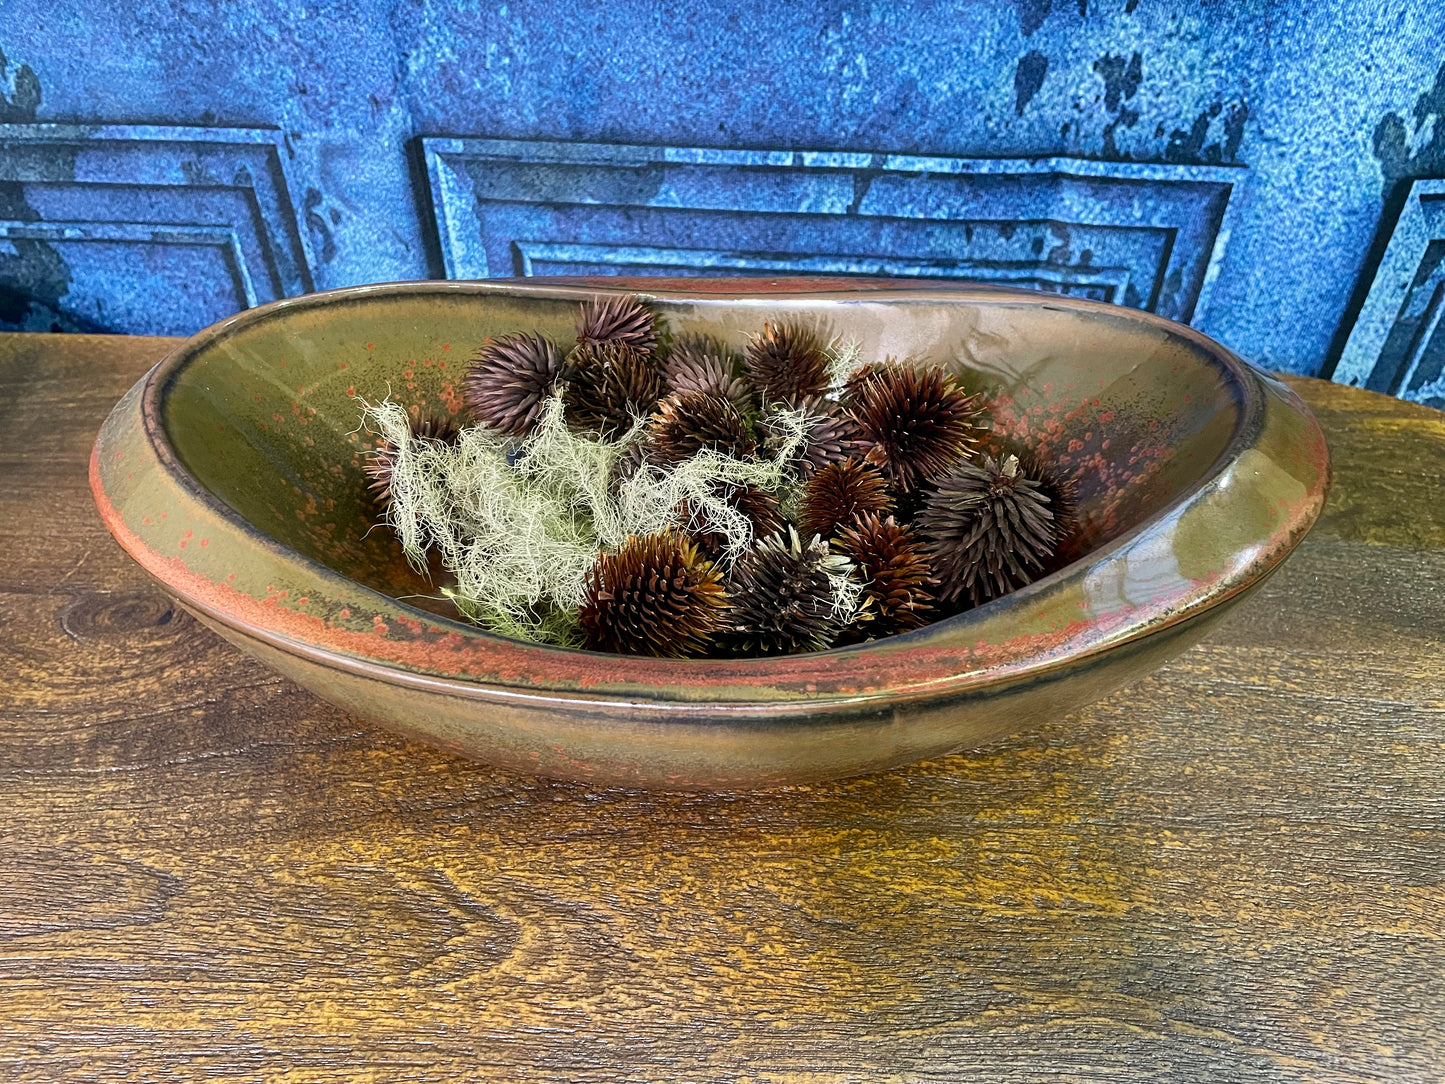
x: 265, y: 414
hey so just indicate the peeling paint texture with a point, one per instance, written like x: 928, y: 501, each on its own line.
x: 261, y: 149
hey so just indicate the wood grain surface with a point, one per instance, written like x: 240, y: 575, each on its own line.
x: 1232, y: 871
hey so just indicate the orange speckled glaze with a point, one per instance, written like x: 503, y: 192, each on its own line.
x: 231, y: 472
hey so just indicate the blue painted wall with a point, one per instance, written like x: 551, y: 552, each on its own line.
x: 1263, y: 170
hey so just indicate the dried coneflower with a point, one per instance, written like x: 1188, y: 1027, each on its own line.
x: 759, y: 506
x: 788, y: 361
x: 621, y: 318
x: 1062, y: 494
x: 990, y: 528
x: 507, y: 382
x: 783, y: 597
x: 914, y: 423
x: 656, y: 595
x: 893, y: 565
x: 609, y: 386
x: 688, y: 423
x: 839, y: 493
x: 380, y: 462
x: 832, y: 434
x: 696, y: 363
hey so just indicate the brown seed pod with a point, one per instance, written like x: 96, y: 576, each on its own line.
x: 839, y: 493
x: 787, y: 361
x: 617, y: 318
x: 609, y: 386
x: 655, y: 596
x: 832, y: 435
x: 686, y: 424
x: 381, y: 461
x: 783, y: 598
x: 758, y: 505
x: 1063, y: 494
x: 893, y: 566
x: 508, y: 380
x: 915, y: 423
x: 696, y: 363
x: 990, y: 529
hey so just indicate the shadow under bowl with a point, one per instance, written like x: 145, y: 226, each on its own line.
x: 232, y: 473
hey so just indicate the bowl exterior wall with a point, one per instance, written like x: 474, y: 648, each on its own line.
x: 693, y: 752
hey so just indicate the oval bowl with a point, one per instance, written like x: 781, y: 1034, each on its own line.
x: 232, y: 473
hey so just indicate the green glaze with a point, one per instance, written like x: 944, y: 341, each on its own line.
x: 232, y: 472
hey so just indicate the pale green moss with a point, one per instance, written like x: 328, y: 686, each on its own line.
x: 520, y: 524
x: 845, y: 357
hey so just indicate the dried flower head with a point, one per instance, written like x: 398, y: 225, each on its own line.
x: 619, y: 318
x: 915, y: 423
x: 380, y: 462
x: 696, y: 363
x: 759, y: 506
x: 893, y: 565
x: 609, y: 386
x: 989, y: 527
x: 788, y: 361
x: 656, y: 595
x: 839, y: 493
x: 784, y: 597
x: 508, y: 380
x: 686, y: 424
x: 1062, y: 493
x: 832, y: 435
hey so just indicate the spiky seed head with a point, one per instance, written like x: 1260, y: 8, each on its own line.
x: 915, y: 423
x: 617, y: 318
x: 788, y: 361
x: 686, y: 424
x: 989, y: 528
x: 832, y: 434
x: 759, y: 506
x: 509, y: 379
x: 609, y: 386
x: 861, y: 373
x: 783, y: 599
x: 892, y: 563
x: 1062, y: 493
x: 839, y: 493
x: 656, y: 595
x: 697, y: 363
x: 380, y: 462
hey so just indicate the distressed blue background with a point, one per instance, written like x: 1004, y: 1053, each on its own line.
x: 1268, y: 172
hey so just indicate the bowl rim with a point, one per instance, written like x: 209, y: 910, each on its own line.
x: 931, y: 661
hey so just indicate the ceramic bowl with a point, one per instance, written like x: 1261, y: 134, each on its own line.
x: 232, y: 473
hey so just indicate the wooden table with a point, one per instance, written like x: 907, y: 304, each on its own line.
x: 1233, y: 871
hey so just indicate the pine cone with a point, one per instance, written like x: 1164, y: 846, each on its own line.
x: 696, y: 363
x: 839, y: 493
x: 507, y: 382
x: 609, y: 386
x: 686, y: 424
x: 655, y: 596
x: 893, y: 566
x: 990, y: 529
x: 915, y: 423
x: 380, y: 462
x: 619, y: 318
x: 787, y: 362
x: 783, y: 599
x: 758, y: 505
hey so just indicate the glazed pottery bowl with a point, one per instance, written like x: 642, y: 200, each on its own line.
x: 232, y: 473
